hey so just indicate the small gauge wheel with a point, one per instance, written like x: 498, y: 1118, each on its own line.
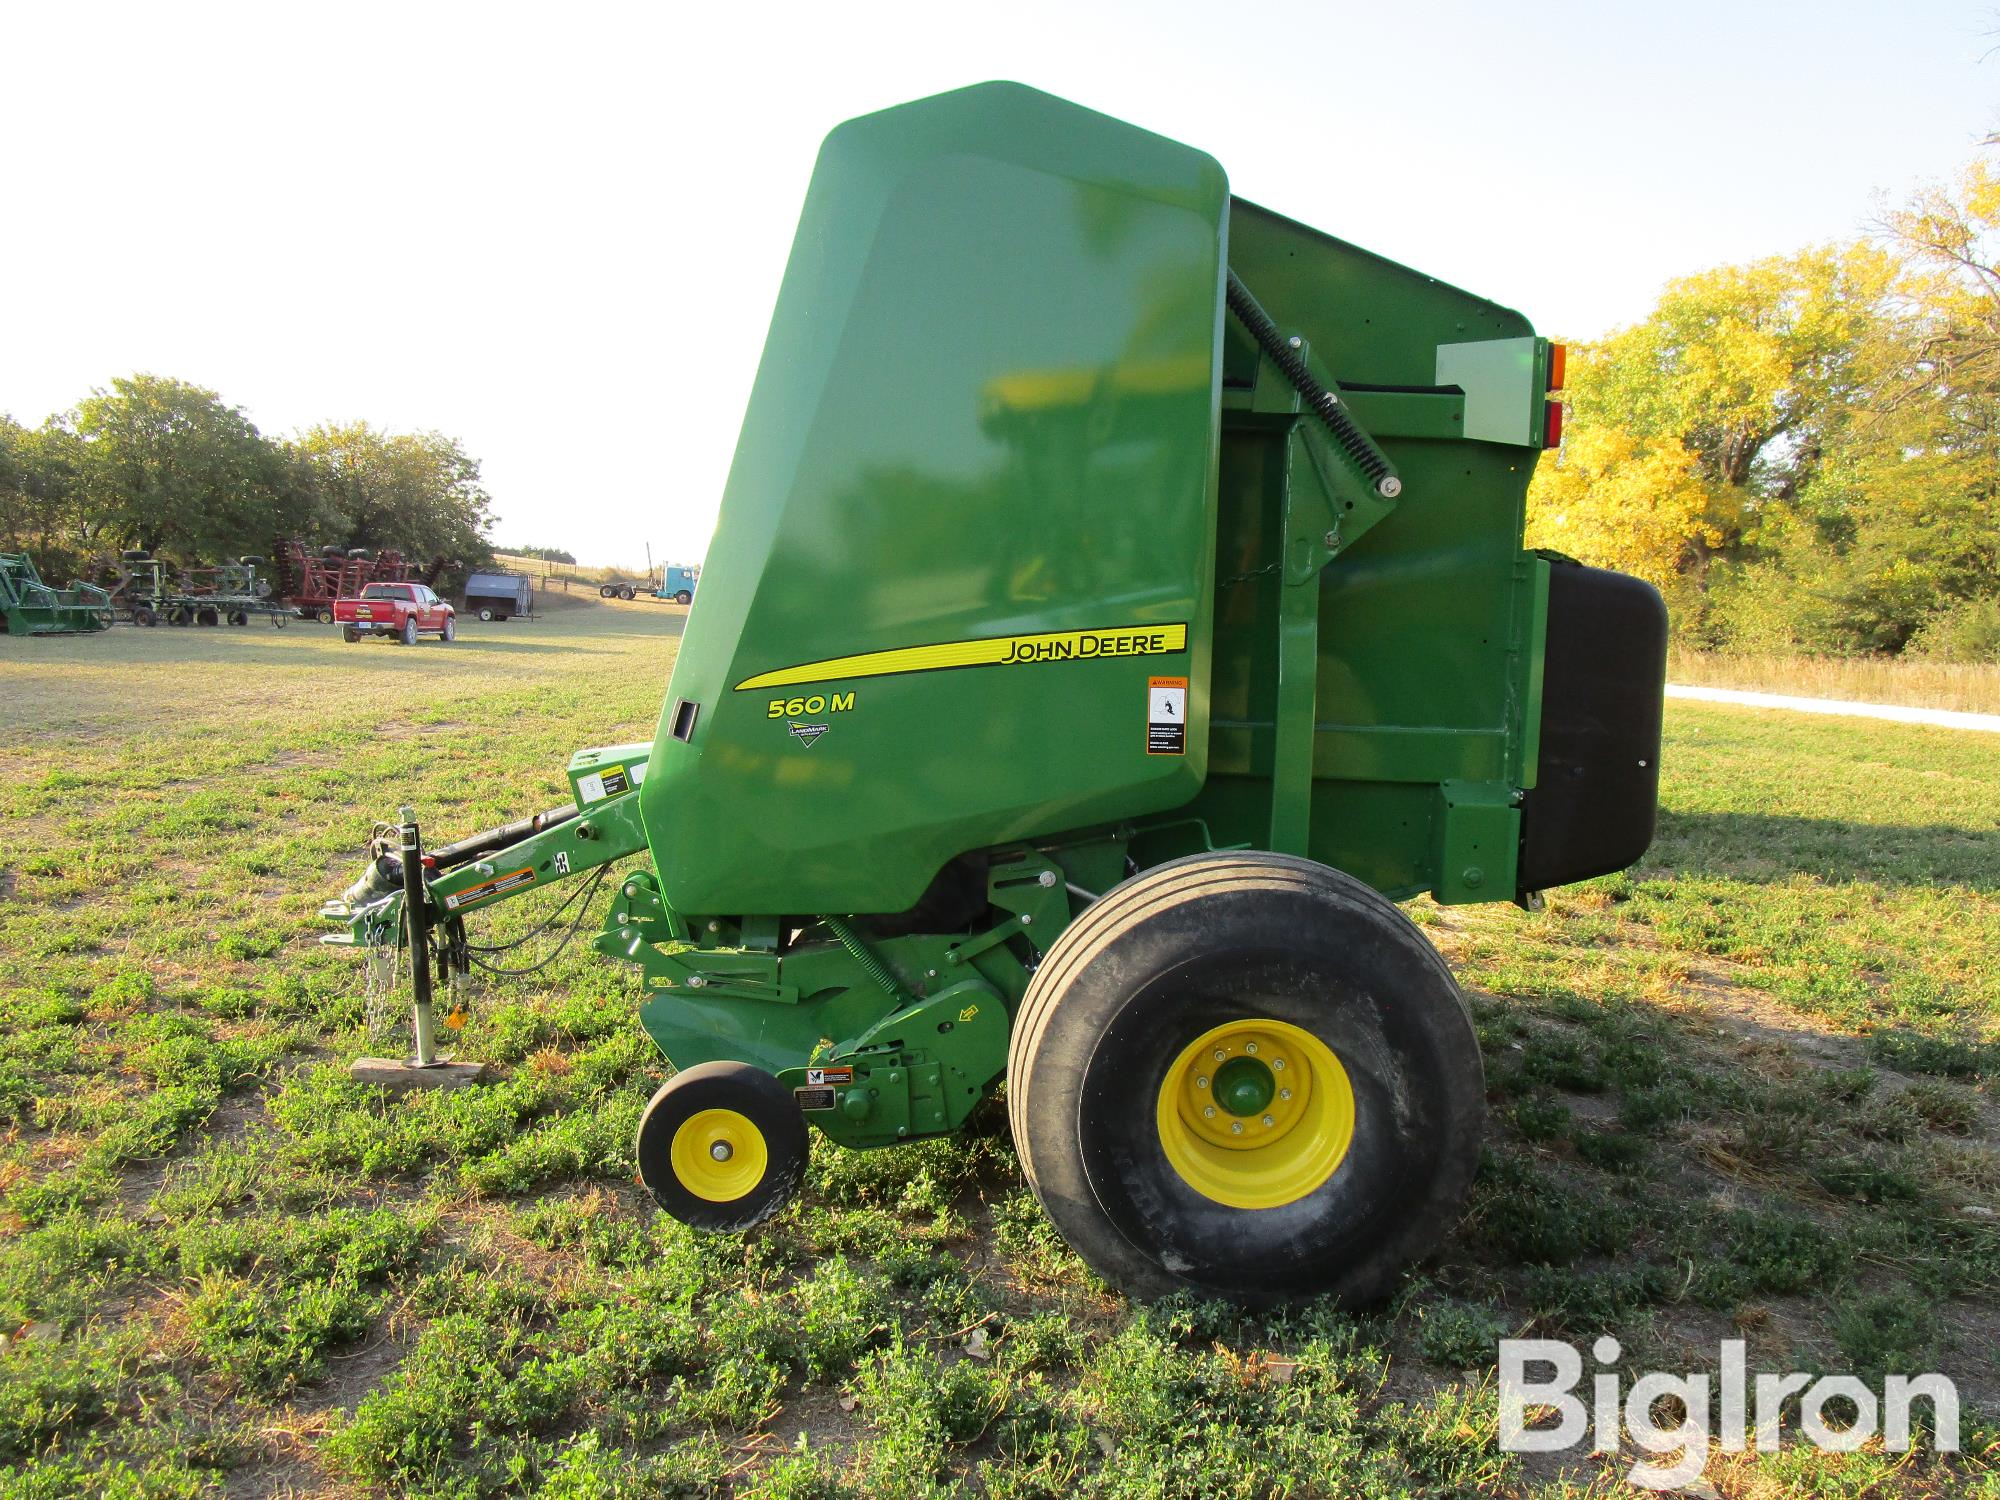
x: 722, y: 1146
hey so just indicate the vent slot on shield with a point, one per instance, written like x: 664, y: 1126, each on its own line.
x: 683, y: 720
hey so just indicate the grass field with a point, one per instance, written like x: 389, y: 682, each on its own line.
x: 1964, y: 687
x: 1742, y: 1091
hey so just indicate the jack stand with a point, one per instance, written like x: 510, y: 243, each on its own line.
x: 426, y: 1070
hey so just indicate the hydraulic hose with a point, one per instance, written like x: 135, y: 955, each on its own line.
x: 448, y: 856
x: 1324, y: 403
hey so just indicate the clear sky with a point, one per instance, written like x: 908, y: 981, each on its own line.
x: 555, y: 232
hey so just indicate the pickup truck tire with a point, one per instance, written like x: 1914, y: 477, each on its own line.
x: 450, y: 631
x: 409, y: 632
x: 349, y: 634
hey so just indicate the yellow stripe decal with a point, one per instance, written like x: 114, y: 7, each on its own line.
x: 994, y: 651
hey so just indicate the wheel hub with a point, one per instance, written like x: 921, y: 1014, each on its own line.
x: 1244, y: 1085
x: 719, y: 1155
x: 1256, y: 1113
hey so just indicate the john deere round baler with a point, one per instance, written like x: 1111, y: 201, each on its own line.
x: 1118, y: 604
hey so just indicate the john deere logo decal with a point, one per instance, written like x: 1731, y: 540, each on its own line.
x: 805, y: 734
x: 992, y: 651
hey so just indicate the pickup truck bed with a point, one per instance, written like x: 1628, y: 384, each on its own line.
x: 401, y: 611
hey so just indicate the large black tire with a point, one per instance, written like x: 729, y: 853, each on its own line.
x: 1220, y: 945
x: 605, y: 591
x: 143, y: 615
x: 349, y: 634
x: 207, y: 615
x: 730, y: 1108
x: 683, y: 597
x: 625, y: 591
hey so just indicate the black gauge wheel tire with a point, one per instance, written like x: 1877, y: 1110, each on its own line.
x: 745, y: 1110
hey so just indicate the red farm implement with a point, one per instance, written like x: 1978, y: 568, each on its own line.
x: 310, y: 580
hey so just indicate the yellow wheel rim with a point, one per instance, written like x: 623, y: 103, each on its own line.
x: 1256, y: 1114
x: 719, y: 1155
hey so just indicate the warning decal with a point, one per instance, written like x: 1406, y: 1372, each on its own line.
x: 829, y: 1075
x: 493, y: 887
x: 1166, y: 715
x: 814, y: 1097
x: 610, y: 782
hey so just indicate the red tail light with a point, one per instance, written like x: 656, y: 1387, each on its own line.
x: 1552, y: 430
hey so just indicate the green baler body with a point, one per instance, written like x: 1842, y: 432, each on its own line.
x: 1003, y: 413
x: 1037, y: 567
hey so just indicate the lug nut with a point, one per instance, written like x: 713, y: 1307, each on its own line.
x: 1250, y: 1047
x: 1278, y: 1064
x: 720, y: 1151
x: 1208, y: 1112
x: 1236, y: 1127
x: 1201, y: 1083
x: 1220, y: 1053
x: 1269, y: 1122
x: 1284, y: 1093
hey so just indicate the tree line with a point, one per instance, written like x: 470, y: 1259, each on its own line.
x: 161, y: 465
x: 1803, y: 453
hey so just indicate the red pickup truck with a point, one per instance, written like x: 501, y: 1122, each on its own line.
x: 402, y: 610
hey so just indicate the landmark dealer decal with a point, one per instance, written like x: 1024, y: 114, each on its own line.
x: 992, y: 651
x: 1166, y: 715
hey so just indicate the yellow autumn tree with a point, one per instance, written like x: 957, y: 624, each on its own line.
x: 1686, y: 429
x: 1619, y: 501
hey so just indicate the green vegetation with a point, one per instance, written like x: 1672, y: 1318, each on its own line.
x: 169, y: 467
x: 1960, y: 686
x: 1741, y: 1091
x: 1801, y: 452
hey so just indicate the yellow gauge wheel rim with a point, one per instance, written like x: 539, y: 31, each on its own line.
x: 1256, y: 1114
x: 719, y: 1155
